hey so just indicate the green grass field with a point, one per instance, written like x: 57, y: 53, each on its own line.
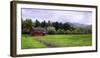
x: 46, y: 41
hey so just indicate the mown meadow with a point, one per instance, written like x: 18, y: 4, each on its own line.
x: 49, y: 41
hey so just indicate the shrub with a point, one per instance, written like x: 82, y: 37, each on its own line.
x: 60, y: 31
x: 68, y: 32
x: 51, y: 30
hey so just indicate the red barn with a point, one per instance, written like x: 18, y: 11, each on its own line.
x: 38, y: 32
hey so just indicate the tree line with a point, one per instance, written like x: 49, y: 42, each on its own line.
x: 53, y: 27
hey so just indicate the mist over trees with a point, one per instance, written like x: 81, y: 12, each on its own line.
x: 55, y: 27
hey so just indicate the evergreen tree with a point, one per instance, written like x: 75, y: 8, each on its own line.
x: 37, y: 23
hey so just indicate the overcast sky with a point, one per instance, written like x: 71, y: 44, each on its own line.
x: 82, y: 17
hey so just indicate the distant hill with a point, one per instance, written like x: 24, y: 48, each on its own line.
x: 77, y: 25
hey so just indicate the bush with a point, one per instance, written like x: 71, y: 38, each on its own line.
x: 25, y: 31
x: 68, y: 32
x: 60, y: 31
x: 51, y: 30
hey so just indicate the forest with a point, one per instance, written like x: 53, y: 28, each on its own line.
x: 56, y: 27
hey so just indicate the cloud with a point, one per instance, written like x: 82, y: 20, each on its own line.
x: 82, y: 17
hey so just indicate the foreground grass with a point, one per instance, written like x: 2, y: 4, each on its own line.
x: 70, y: 40
x: 29, y: 42
x: 59, y: 40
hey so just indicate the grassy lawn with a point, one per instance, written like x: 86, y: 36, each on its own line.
x: 59, y: 40
x: 70, y: 40
x: 29, y: 42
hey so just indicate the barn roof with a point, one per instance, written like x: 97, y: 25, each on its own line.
x: 39, y: 29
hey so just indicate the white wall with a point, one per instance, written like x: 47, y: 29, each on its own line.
x: 5, y: 30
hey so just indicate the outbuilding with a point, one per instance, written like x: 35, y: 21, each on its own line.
x: 38, y: 32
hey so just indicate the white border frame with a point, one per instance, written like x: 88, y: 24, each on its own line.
x: 52, y: 50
